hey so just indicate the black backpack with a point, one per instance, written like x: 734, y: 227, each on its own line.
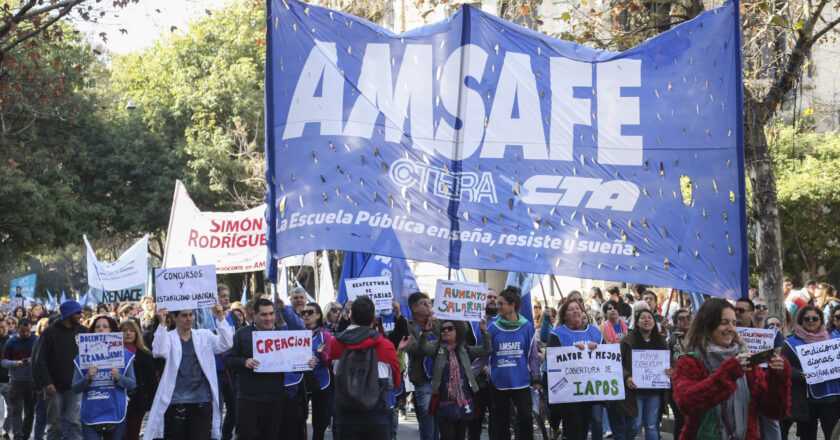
x: 357, y: 380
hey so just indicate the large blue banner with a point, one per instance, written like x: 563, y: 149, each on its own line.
x: 476, y: 143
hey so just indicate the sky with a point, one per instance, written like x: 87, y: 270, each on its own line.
x: 145, y: 22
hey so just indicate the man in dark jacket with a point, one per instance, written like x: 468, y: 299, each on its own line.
x: 360, y: 335
x: 259, y: 398
x: 54, y: 368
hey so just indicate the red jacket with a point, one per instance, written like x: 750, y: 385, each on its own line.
x: 696, y: 392
x: 385, y: 353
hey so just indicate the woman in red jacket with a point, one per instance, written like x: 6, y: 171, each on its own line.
x: 714, y: 386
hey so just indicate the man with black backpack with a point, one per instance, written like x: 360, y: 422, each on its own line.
x: 366, y: 371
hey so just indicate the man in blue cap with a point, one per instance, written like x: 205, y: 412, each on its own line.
x: 53, y: 369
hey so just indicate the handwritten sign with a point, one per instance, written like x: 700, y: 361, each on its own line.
x: 101, y: 350
x: 758, y: 339
x: 282, y: 351
x: 377, y: 289
x: 460, y: 301
x: 184, y: 288
x: 820, y: 360
x: 649, y: 368
x: 576, y: 375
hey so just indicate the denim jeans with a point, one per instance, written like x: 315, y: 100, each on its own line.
x: 620, y: 424
x: 21, y: 409
x: 596, y: 423
x: 770, y: 429
x: 427, y: 422
x: 40, y: 426
x: 63, y: 416
x: 88, y: 433
x: 648, y: 417
x: 227, y: 400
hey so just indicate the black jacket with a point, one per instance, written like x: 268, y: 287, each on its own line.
x: 142, y: 396
x: 258, y: 387
x: 53, y: 364
x: 4, y: 373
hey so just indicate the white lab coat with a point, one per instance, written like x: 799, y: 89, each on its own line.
x: 167, y: 345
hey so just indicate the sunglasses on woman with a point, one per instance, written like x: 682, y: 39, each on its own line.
x: 811, y: 318
x: 761, y: 307
x: 307, y: 312
x: 447, y: 328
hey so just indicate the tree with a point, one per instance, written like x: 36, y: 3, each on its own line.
x: 203, y: 92
x: 807, y: 165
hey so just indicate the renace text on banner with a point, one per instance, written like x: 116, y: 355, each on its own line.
x: 474, y: 142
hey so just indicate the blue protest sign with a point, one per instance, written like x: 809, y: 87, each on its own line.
x: 474, y: 142
x: 26, y: 284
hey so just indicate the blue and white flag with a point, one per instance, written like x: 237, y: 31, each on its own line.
x: 477, y: 143
x: 362, y: 265
x: 244, y: 298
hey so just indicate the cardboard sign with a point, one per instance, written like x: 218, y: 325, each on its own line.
x: 185, y: 288
x: 820, y: 360
x: 460, y: 301
x: 649, y: 368
x: 758, y: 339
x: 377, y: 288
x: 576, y: 375
x: 100, y: 350
x: 282, y: 351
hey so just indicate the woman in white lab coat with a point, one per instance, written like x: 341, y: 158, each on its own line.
x: 190, y: 419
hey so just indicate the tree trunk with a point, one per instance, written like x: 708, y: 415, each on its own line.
x: 768, y: 242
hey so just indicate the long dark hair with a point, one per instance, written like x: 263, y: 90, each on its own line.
x: 459, y: 330
x: 655, y: 337
x: 706, y: 320
x: 320, y: 321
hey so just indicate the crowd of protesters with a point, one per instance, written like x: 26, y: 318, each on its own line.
x: 461, y: 379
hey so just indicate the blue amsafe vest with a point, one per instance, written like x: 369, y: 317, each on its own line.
x: 388, y: 322
x: 569, y: 337
x: 321, y: 371
x: 818, y: 390
x: 292, y: 383
x: 103, y: 401
x: 509, y: 360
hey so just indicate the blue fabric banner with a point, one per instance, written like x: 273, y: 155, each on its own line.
x: 476, y: 143
x: 26, y: 284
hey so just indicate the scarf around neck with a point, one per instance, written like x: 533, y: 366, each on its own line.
x: 810, y: 338
x: 504, y: 324
x: 609, y: 331
x: 734, y: 411
x: 455, y: 384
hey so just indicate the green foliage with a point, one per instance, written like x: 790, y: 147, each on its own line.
x: 807, y: 165
x: 203, y: 92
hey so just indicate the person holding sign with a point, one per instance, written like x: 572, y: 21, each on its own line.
x: 453, y: 382
x: 815, y: 402
x: 104, y: 398
x: 514, y: 365
x: 187, y: 402
x: 571, y: 331
x: 318, y: 384
x: 717, y: 388
x: 642, y: 403
x: 259, y: 397
x: 834, y: 322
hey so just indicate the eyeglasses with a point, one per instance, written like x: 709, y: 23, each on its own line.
x: 335, y: 309
x: 740, y: 310
x: 811, y: 318
x: 307, y: 312
x: 684, y: 318
x: 447, y: 328
x: 761, y: 306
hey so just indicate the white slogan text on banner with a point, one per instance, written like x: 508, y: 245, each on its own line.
x: 282, y: 351
x: 820, y: 360
x: 576, y: 375
x: 184, y: 288
x: 100, y: 350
